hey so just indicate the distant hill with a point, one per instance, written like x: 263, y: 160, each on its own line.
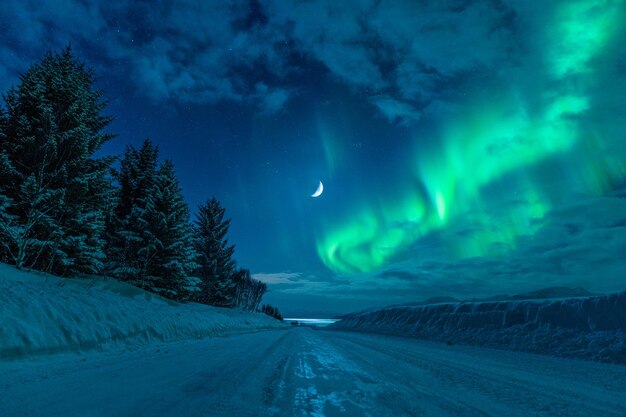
x: 541, y: 294
x: 554, y: 292
x: 432, y: 300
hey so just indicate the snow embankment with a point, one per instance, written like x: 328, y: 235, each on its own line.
x: 41, y: 314
x: 587, y: 328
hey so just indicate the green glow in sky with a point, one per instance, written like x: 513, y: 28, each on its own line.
x: 499, y: 139
x: 581, y: 31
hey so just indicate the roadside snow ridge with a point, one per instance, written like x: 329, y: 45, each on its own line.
x: 42, y: 314
x: 585, y: 327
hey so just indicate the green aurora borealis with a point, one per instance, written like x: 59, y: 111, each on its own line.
x: 504, y: 137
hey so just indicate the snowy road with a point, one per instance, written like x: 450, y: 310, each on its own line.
x: 304, y: 372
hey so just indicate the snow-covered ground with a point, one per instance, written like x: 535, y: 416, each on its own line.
x: 583, y: 327
x: 102, y: 348
x: 42, y: 314
x: 305, y: 372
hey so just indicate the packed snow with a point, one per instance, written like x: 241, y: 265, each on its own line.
x: 303, y: 372
x: 584, y: 327
x: 42, y: 314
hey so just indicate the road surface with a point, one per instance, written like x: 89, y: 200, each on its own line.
x: 305, y: 372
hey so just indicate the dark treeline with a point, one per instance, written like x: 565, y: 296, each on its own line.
x: 67, y: 212
x: 271, y: 311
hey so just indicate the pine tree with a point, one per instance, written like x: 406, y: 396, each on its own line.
x: 127, y: 228
x: 8, y: 230
x: 169, y: 245
x: 150, y: 238
x: 248, y: 291
x: 216, y: 269
x: 272, y: 311
x: 54, y: 186
x: 6, y: 220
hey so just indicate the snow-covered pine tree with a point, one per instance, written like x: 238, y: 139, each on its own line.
x: 7, y: 229
x: 6, y: 220
x: 170, y: 245
x: 218, y: 286
x: 127, y: 231
x: 18, y: 235
x: 56, y: 187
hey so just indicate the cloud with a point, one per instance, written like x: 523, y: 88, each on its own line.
x: 289, y: 278
x: 409, y: 59
x: 400, y: 55
x: 271, y: 100
x: 296, y: 283
x: 394, y: 110
x: 184, y: 51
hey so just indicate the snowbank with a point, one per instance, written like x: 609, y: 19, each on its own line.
x: 587, y: 328
x: 42, y: 314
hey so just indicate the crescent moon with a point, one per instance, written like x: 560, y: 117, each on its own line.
x: 319, y: 191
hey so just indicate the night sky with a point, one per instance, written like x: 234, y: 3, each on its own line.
x: 467, y: 148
